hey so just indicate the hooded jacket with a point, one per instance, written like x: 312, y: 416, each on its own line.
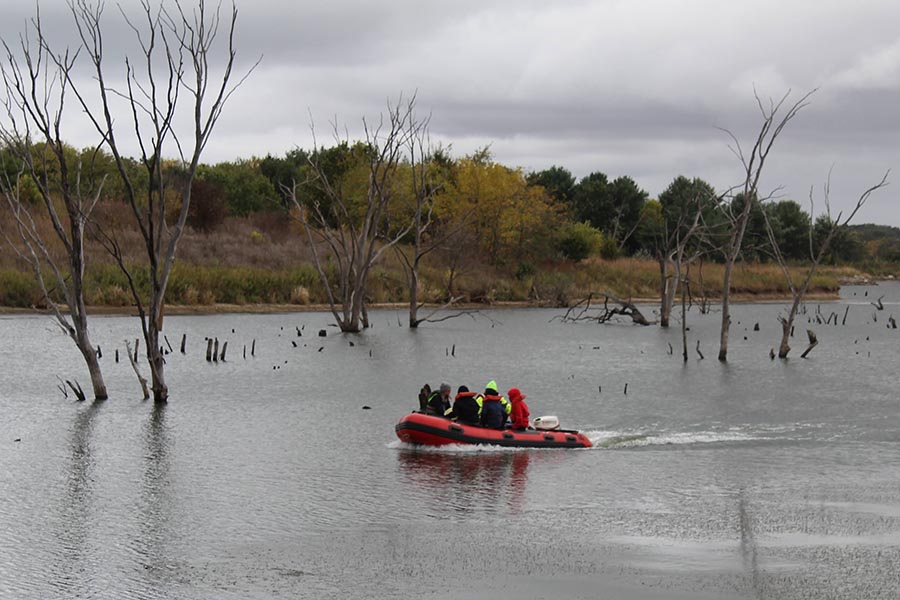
x: 467, y: 406
x: 519, y: 413
x: 494, y: 408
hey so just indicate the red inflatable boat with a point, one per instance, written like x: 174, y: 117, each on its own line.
x: 417, y: 428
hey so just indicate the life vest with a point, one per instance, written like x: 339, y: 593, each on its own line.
x: 435, y: 399
x: 495, y: 411
x: 507, y: 407
x: 467, y: 407
x: 464, y: 395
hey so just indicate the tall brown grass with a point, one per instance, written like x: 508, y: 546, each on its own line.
x: 265, y: 258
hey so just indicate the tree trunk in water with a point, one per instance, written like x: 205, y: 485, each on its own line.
x: 158, y: 377
x: 672, y: 287
x: 664, y: 307
x: 684, y: 322
x: 784, y: 347
x: 726, y: 312
x: 83, y: 342
x: 352, y: 314
x: 413, y: 299
x: 155, y: 358
x: 93, y: 365
x: 786, y: 327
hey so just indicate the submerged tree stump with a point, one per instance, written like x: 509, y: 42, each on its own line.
x: 813, y: 342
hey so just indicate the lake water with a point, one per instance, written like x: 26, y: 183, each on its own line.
x: 264, y: 476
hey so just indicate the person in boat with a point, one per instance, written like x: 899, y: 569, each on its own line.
x: 519, y: 413
x: 467, y: 406
x: 439, y: 401
x: 494, y: 408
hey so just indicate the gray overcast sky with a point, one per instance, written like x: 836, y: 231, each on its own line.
x: 626, y: 87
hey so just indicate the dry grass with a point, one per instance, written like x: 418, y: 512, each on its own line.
x: 264, y: 259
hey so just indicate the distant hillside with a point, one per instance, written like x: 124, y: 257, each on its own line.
x: 868, y: 232
x: 882, y: 245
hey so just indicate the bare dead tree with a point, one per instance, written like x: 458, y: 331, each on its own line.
x: 586, y: 310
x: 362, y: 233
x: 31, y: 133
x: 681, y: 245
x: 800, y: 288
x: 427, y: 235
x: 171, y: 78
x: 774, y: 120
x: 423, y: 192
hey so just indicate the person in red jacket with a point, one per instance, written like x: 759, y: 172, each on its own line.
x: 519, y: 413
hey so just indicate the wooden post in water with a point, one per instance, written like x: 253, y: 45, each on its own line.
x: 215, y: 355
x: 209, y: 349
x: 224, y: 348
x: 183, y: 341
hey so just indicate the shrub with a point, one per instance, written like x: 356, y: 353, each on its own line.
x: 117, y: 296
x: 579, y: 240
x: 190, y: 296
x: 207, y: 298
x: 19, y: 289
x: 524, y: 271
x: 300, y: 295
x: 609, y: 248
x: 553, y: 287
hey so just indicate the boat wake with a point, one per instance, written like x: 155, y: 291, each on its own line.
x: 604, y: 440
x: 619, y: 439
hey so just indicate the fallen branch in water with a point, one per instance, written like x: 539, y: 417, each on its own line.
x: 133, y: 360
x: 584, y: 310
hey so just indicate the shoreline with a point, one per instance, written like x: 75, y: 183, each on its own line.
x: 222, y: 309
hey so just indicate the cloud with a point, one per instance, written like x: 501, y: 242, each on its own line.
x: 635, y: 88
x: 878, y: 70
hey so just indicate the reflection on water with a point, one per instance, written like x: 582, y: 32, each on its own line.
x: 748, y: 544
x: 76, y: 506
x: 155, y: 511
x: 489, y: 481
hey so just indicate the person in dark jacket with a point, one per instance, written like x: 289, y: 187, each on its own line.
x: 494, y: 408
x: 439, y: 401
x: 467, y: 406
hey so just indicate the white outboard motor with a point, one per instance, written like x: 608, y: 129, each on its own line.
x: 545, y: 423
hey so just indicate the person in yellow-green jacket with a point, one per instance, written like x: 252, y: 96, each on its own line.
x: 438, y: 403
x: 495, y: 408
